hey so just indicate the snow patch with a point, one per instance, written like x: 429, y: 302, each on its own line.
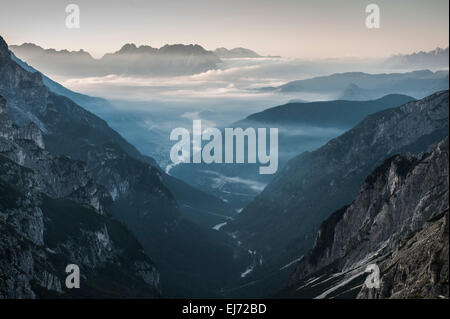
x: 291, y: 263
x: 51, y: 251
x: 247, y: 272
x: 219, y: 226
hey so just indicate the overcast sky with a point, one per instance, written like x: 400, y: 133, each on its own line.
x: 291, y: 28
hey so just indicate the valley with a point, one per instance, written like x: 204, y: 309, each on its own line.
x: 189, y: 215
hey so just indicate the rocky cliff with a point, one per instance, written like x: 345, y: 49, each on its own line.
x: 53, y: 214
x: 399, y: 221
x: 419, y: 267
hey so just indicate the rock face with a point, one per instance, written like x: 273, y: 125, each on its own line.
x: 399, y: 220
x: 52, y: 214
x: 418, y: 268
x: 282, y: 221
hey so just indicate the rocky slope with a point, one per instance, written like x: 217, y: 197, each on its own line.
x: 399, y: 220
x: 281, y: 223
x: 52, y: 214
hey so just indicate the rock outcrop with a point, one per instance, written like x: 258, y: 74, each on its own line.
x: 419, y: 267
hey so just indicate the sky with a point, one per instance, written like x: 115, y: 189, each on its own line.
x: 290, y: 28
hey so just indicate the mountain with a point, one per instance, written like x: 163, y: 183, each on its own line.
x: 193, y: 260
x: 224, y: 53
x: 301, y: 127
x: 177, y: 59
x: 363, y: 86
x: 53, y: 214
x: 399, y: 221
x: 51, y: 61
x: 355, y: 93
x: 280, y: 223
x: 434, y: 59
x: 338, y: 113
x: 88, y: 102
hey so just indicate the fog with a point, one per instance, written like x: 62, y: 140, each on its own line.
x: 234, y: 79
x: 145, y: 109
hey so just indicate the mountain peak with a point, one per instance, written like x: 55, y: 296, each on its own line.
x: 236, y: 53
x: 440, y: 50
x: 31, y: 45
x: 128, y: 47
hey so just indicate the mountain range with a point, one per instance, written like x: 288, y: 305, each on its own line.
x: 374, y: 190
x: 365, y: 86
x: 280, y: 223
x: 144, y: 60
x: 169, y: 60
x: 435, y: 59
x: 139, y: 190
x: 224, y: 53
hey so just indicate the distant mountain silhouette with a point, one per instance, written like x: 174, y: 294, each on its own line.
x: 437, y: 58
x: 236, y: 53
x: 363, y: 86
x: 177, y: 59
x: 339, y: 113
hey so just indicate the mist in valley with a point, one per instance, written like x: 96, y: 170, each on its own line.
x: 145, y: 109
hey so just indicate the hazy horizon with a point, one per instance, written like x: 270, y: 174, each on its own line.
x: 98, y: 57
x: 292, y: 29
